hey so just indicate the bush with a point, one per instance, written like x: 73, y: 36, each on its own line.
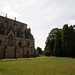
x: 47, y: 53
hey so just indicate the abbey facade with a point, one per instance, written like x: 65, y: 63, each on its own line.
x: 16, y: 41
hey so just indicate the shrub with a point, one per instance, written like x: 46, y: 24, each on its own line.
x: 47, y: 53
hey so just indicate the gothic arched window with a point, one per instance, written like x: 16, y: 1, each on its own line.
x: 10, y: 40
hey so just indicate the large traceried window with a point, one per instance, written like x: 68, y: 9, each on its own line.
x: 10, y: 40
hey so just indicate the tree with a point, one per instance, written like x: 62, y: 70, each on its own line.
x: 68, y: 41
x: 51, y: 40
x: 47, y: 53
x: 65, y: 39
x: 71, y: 50
x: 61, y: 42
x: 57, y: 45
x: 39, y: 49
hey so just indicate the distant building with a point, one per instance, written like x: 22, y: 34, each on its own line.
x: 16, y: 41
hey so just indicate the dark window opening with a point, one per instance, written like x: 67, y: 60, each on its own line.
x: 27, y: 54
x: 20, y: 44
x: 0, y: 42
x: 19, y: 33
x: 27, y: 44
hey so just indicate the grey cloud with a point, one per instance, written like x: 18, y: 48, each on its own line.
x: 40, y: 15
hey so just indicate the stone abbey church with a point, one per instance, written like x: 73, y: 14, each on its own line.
x: 16, y: 41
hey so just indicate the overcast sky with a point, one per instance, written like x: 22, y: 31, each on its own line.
x: 40, y: 15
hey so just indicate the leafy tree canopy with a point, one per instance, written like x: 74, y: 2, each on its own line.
x: 39, y: 49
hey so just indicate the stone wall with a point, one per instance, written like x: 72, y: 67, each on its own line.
x: 16, y: 41
x: 2, y: 52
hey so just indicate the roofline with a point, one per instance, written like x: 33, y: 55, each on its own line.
x: 13, y: 20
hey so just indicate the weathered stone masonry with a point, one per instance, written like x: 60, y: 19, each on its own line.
x: 16, y: 41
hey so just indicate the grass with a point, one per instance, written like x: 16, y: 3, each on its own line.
x: 38, y: 66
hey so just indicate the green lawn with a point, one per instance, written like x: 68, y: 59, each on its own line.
x: 38, y: 66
